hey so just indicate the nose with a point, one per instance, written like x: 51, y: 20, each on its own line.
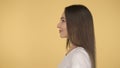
x: 58, y: 25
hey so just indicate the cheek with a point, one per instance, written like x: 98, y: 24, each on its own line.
x: 65, y: 31
x: 63, y: 34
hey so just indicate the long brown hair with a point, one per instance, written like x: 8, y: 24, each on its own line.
x: 81, y: 29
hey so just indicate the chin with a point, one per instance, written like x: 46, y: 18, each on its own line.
x: 63, y: 36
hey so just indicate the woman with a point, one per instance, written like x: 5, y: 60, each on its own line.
x: 76, y: 25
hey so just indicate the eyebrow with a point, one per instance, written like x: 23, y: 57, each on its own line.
x: 62, y: 18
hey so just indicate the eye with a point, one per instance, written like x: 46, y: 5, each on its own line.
x: 63, y: 21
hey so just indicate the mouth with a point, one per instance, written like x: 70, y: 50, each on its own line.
x: 60, y: 31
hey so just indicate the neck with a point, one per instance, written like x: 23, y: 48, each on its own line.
x: 71, y: 48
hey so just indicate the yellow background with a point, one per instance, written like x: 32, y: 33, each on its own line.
x: 29, y: 37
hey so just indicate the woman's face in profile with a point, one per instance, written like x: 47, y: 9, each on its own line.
x: 62, y: 26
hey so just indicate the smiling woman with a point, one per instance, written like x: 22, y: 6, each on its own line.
x: 62, y: 27
x: 76, y: 25
x: 28, y: 36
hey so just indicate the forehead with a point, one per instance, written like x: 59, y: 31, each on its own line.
x: 63, y: 16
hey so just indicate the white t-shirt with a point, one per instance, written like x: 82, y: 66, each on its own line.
x: 77, y: 58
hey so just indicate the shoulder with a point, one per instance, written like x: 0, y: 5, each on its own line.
x: 80, y: 58
x: 79, y: 53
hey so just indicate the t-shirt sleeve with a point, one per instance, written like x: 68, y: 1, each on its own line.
x: 80, y: 60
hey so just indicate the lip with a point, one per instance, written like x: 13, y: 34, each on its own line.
x: 60, y: 31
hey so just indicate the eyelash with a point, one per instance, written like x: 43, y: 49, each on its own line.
x: 63, y: 20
